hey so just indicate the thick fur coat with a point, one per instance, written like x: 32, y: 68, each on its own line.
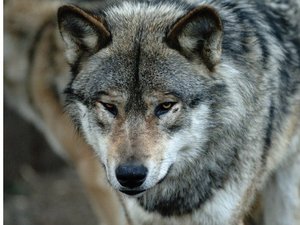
x: 229, y: 72
x: 203, y: 94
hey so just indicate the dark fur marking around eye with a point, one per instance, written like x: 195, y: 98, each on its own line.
x: 175, y: 110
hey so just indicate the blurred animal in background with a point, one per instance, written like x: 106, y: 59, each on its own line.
x: 193, y: 110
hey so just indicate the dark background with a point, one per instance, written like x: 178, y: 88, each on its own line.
x: 39, y: 187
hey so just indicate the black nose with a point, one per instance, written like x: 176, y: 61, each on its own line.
x: 131, y: 176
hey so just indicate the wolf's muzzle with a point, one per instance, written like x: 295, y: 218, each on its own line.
x: 130, y: 175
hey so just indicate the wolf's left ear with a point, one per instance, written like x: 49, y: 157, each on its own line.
x: 83, y: 32
x: 198, y: 34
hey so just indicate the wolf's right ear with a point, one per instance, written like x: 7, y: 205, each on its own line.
x: 83, y: 32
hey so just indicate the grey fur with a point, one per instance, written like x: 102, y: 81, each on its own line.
x: 251, y: 94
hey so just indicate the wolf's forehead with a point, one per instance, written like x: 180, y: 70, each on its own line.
x: 138, y: 50
x: 138, y: 60
x: 158, y: 13
x: 141, y: 73
x: 128, y: 17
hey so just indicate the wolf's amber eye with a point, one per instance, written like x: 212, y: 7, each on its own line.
x: 166, y: 105
x: 163, y: 108
x: 110, y: 108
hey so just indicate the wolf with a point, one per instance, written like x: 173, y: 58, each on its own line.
x: 193, y: 107
x: 219, y: 173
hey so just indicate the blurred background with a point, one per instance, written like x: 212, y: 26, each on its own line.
x: 39, y: 187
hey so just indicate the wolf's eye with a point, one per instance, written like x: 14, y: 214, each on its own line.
x: 110, y: 108
x: 163, y: 108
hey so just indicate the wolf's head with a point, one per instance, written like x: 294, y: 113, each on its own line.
x: 144, y: 90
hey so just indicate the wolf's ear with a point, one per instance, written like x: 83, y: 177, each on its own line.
x: 198, y: 34
x: 83, y: 32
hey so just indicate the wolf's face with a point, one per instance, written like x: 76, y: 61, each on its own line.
x: 142, y: 126
x: 141, y: 87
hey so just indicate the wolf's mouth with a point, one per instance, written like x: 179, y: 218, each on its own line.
x: 132, y: 192
x: 162, y: 179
